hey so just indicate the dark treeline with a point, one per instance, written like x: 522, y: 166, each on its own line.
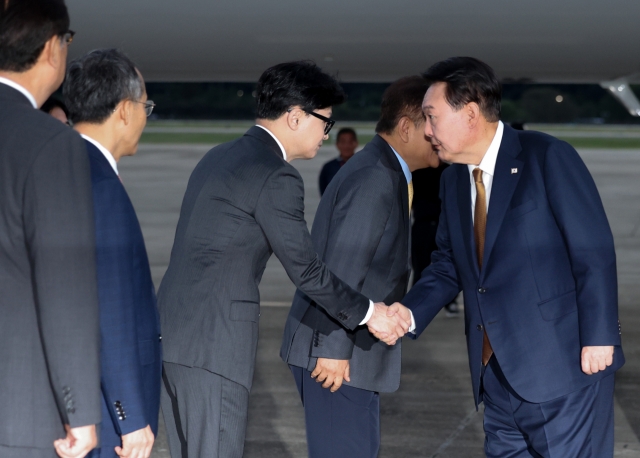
x: 540, y: 103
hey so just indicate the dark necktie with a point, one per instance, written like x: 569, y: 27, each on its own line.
x: 479, y: 231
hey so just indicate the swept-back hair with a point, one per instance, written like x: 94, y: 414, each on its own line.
x: 97, y: 82
x: 468, y: 80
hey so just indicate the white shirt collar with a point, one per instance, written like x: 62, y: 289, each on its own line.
x: 284, y: 153
x: 17, y: 87
x: 104, y: 151
x: 488, y: 163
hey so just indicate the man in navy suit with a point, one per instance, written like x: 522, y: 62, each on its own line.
x: 524, y: 234
x: 108, y: 106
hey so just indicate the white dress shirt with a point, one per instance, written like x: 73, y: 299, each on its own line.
x: 488, y: 167
x: 17, y: 87
x: 104, y: 151
x: 284, y: 153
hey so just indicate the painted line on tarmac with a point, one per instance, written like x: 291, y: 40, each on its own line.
x: 275, y: 304
x: 454, y: 435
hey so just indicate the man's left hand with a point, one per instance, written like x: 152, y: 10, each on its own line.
x: 596, y: 359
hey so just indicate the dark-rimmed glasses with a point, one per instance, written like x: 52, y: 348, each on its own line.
x: 148, y: 106
x: 328, y: 121
x: 67, y: 37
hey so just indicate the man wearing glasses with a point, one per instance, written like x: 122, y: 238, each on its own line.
x: 49, y: 336
x: 244, y: 202
x: 108, y: 106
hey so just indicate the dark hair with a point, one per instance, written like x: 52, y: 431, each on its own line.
x: 97, y: 82
x: 291, y: 84
x: 25, y: 27
x: 54, y: 102
x: 468, y: 80
x: 346, y: 131
x: 403, y: 98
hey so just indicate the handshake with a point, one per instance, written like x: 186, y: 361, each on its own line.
x: 389, y: 323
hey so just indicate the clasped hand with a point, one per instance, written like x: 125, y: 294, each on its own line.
x: 389, y: 323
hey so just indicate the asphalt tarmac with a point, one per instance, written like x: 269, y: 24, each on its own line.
x: 432, y: 414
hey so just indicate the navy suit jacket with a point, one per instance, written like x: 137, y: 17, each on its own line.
x: 131, y: 359
x: 548, y: 284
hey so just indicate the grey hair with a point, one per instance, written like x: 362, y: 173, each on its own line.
x: 97, y: 82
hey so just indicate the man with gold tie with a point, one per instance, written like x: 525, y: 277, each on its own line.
x: 524, y: 234
x: 361, y: 231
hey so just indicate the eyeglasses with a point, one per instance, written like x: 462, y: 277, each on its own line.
x: 328, y: 121
x: 148, y: 106
x: 67, y: 37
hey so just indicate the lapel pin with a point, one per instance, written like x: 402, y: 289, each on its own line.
x: 514, y: 171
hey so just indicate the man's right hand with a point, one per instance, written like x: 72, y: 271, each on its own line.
x: 332, y: 372
x: 137, y: 444
x: 387, y: 328
x: 78, y: 443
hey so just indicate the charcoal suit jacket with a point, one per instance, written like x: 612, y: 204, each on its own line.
x: 361, y: 231
x: 49, y: 337
x: 130, y: 355
x: 548, y: 284
x: 243, y: 202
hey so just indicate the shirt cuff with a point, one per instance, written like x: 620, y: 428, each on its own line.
x: 412, y: 329
x: 369, y: 313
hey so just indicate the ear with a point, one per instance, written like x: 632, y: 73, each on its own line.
x: 125, y: 111
x: 404, y: 128
x: 472, y: 112
x: 54, y: 53
x: 294, y: 118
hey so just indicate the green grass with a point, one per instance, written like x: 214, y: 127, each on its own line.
x: 209, y: 139
x: 604, y: 143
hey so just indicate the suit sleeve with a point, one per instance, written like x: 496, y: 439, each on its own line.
x: 579, y: 213
x: 280, y: 214
x: 439, y: 283
x: 122, y: 381
x: 358, y: 220
x: 59, y: 228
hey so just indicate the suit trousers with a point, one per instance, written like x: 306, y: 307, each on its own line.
x: 205, y: 414
x: 344, y: 424
x: 27, y: 452
x: 103, y: 452
x: 577, y: 425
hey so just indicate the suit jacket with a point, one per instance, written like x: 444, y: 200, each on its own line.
x: 131, y: 359
x: 361, y: 231
x: 243, y: 202
x: 548, y: 282
x: 49, y: 344
x: 329, y: 170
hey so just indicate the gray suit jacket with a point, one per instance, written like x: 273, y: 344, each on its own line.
x: 243, y: 202
x: 361, y: 231
x: 49, y: 338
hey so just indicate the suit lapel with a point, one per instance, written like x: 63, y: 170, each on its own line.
x: 504, y: 184
x: 463, y: 189
x: 391, y: 161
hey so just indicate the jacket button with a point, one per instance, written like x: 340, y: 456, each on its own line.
x: 159, y: 338
x: 479, y: 327
x: 482, y: 290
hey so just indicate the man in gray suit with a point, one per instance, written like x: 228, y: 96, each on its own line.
x: 243, y: 202
x: 361, y: 231
x: 49, y: 339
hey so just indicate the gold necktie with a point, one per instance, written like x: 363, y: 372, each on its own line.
x: 479, y: 231
x: 410, y: 196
